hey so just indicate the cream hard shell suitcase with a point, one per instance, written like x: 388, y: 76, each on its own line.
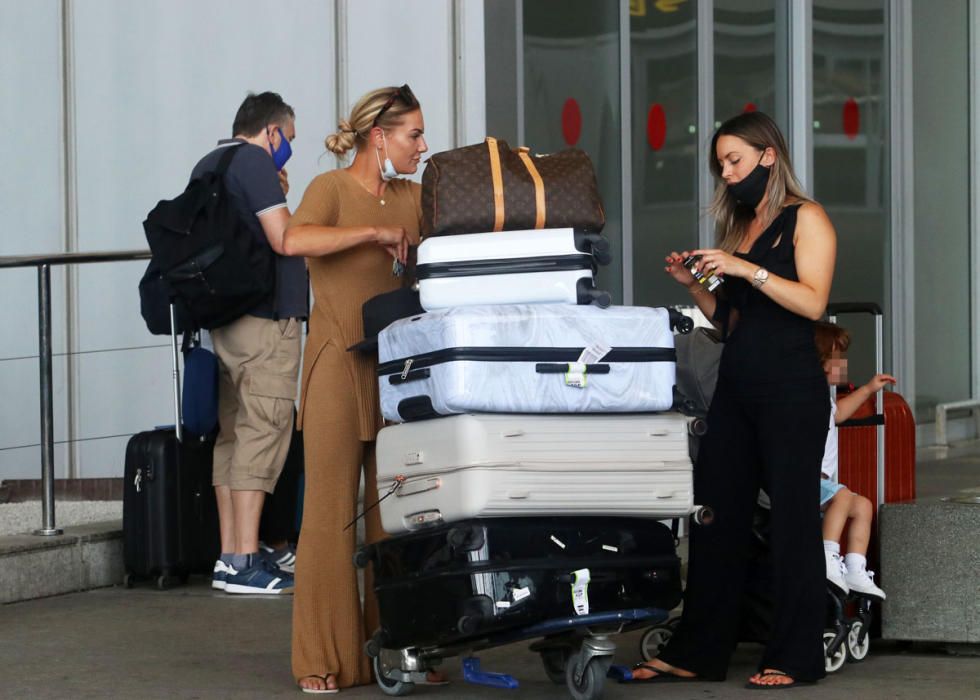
x: 500, y: 465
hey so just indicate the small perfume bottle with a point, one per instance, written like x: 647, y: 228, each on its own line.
x: 709, y: 280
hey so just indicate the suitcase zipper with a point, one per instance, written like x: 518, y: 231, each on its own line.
x: 505, y: 266
x: 403, y: 366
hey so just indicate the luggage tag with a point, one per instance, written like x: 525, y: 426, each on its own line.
x: 576, y: 374
x: 580, y: 591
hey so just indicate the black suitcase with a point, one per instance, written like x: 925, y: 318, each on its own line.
x: 170, y: 520
x: 478, y: 577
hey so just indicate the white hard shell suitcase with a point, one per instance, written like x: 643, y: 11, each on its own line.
x: 521, y: 359
x: 545, y: 266
x: 498, y: 465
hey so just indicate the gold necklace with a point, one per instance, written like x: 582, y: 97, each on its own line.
x: 368, y: 189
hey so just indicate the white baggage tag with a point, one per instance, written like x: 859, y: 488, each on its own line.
x: 580, y: 591
x: 575, y: 376
x: 591, y: 354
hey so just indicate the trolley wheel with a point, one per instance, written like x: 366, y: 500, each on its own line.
x: 361, y: 558
x: 555, y: 662
x: 857, y: 650
x: 654, y: 640
x: 593, y: 680
x: 388, y: 686
x: 128, y: 580
x: 833, y: 662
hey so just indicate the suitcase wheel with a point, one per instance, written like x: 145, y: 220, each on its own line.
x: 165, y: 581
x: 362, y: 558
x: 555, y: 661
x: 389, y: 686
x: 586, y: 683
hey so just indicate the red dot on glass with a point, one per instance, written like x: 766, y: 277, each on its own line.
x: 656, y: 127
x: 571, y: 121
x: 749, y: 107
x: 851, y: 117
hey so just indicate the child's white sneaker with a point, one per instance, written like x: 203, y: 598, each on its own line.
x: 861, y: 581
x: 835, y: 571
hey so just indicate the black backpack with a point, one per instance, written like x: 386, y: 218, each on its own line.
x: 204, y: 258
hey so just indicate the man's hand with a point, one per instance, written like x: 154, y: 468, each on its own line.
x: 284, y: 181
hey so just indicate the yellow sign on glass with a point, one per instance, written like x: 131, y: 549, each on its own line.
x: 638, y: 8
x: 668, y: 5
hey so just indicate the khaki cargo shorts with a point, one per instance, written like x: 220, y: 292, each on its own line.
x: 258, y: 363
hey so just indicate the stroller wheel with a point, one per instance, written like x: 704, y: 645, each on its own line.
x: 833, y: 661
x: 654, y: 640
x: 389, y: 686
x: 857, y: 649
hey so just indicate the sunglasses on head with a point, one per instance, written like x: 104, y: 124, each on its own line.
x: 405, y: 94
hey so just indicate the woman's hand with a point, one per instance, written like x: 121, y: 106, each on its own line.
x: 722, y: 263
x: 394, y: 239
x: 675, y: 268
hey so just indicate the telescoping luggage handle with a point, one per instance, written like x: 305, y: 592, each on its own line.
x: 178, y: 429
x: 878, y: 419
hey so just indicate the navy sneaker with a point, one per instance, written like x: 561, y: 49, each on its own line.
x: 284, y: 558
x: 261, y: 577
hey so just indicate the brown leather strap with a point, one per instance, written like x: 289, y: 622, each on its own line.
x: 539, y: 204
x: 498, y: 184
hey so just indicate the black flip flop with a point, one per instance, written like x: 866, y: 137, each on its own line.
x: 661, y: 676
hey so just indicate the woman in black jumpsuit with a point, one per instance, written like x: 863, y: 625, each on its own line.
x: 767, y: 424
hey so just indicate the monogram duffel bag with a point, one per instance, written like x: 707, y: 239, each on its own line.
x: 489, y: 187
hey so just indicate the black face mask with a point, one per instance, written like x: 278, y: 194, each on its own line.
x: 752, y: 188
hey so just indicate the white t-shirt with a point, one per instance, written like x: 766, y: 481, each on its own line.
x: 829, y: 467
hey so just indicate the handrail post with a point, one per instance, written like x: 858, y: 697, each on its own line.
x: 47, y: 400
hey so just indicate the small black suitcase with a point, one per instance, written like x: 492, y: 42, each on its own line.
x: 478, y: 577
x: 170, y: 521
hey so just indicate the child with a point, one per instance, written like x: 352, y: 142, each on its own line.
x: 838, y: 503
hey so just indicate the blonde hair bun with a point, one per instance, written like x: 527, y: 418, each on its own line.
x: 341, y: 141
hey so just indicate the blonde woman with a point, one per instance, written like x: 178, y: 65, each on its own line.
x: 767, y: 424
x: 351, y: 225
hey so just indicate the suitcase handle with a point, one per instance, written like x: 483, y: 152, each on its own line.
x: 412, y: 376
x: 561, y: 368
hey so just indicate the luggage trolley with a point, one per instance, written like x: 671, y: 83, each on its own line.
x: 455, y: 589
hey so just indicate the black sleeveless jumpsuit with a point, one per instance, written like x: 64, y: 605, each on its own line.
x: 767, y: 424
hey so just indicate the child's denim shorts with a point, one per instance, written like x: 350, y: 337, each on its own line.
x: 828, y: 489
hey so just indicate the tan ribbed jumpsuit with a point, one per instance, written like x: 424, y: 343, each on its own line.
x: 339, y: 416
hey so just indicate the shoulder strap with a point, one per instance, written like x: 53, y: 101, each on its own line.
x: 225, y: 161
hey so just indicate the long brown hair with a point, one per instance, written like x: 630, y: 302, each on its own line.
x: 731, y: 219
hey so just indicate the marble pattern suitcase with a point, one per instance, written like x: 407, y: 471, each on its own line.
x: 493, y: 465
x: 550, y: 266
x: 516, y: 359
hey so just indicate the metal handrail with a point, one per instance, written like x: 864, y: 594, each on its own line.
x: 43, y: 264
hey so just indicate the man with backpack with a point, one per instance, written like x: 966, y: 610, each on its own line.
x: 258, y: 352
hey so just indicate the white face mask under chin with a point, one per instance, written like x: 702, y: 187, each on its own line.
x: 388, y: 171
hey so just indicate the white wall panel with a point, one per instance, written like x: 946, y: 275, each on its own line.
x: 391, y: 43
x: 30, y: 119
x: 20, y: 426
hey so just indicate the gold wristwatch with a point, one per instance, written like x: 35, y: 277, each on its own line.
x: 760, y: 277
